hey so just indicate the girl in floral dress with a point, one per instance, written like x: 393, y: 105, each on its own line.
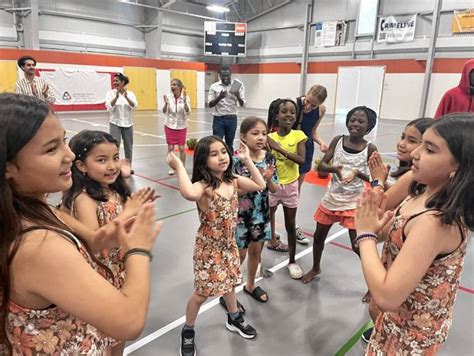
x: 216, y: 257
x: 99, y: 194
x: 415, y: 282
x: 56, y: 297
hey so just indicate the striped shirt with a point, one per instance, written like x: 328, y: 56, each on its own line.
x: 35, y: 88
x: 228, y: 105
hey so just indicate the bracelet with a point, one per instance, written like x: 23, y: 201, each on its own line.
x: 137, y: 251
x: 365, y: 236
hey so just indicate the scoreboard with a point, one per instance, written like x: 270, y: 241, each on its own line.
x: 224, y: 38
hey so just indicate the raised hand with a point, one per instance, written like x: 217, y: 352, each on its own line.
x: 137, y: 199
x: 143, y: 232
x: 243, y: 151
x: 165, y: 99
x: 222, y: 95
x: 369, y: 216
x: 377, y: 168
x: 183, y: 93
x: 173, y: 161
x: 323, y: 147
x: 33, y: 88
x: 349, y: 177
x: 45, y: 90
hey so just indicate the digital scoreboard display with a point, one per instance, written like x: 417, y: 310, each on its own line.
x: 224, y: 38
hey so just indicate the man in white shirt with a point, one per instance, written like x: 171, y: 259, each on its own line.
x: 224, y: 96
x: 120, y: 103
x: 30, y: 84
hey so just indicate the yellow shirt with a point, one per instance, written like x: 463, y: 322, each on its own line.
x: 287, y: 170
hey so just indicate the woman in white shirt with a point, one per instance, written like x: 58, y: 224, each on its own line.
x: 176, y: 109
x: 120, y: 103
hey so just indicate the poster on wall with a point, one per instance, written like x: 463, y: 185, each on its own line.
x: 396, y: 29
x: 330, y: 34
x: 74, y: 87
x: 463, y: 21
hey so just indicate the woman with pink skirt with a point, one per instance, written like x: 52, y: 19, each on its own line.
x: 177, y: 109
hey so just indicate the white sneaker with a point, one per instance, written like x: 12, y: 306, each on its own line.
x: 171, y: 172
x: 300, y: 237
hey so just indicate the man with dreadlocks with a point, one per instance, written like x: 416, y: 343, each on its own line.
x: 349, y: 155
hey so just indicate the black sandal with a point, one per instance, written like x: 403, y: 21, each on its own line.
x: 240, y: 307
x: 257, y: 294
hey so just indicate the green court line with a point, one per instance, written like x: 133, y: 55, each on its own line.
x: 354, y: 339
x: 175, y: 214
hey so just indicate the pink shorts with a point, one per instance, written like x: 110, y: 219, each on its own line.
x: 286, y: 195
x: 175, y: 137
x: 328, y: 217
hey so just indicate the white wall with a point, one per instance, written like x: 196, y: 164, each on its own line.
x: 440, y: 82
x: 162, y: 85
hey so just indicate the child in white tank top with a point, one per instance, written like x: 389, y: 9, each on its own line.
x: 349, y: 155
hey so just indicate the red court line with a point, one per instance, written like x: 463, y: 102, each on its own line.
x: 348, y: 248
x: 157, y: 181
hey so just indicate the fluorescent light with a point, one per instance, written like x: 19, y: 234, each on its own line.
x: 217, y: 8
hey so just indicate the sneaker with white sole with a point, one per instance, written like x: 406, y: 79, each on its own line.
x: 295, y: 271
x: 300, y: 238
x: 240, y: 326
x: 187, y: 347
x: 367, y: 334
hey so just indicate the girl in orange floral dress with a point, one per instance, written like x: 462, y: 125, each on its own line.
x: 216, y: 257
x: 99, y: 193
x: 56, y: 297
x: 415, y: 282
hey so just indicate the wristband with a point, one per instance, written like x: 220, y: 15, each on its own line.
x: 376, y: 183
x: 137, y: 251
x: 365, y: 236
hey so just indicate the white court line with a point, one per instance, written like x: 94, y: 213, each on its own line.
x: 167, y: 328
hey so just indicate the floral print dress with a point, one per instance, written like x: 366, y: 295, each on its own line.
x: 420, y: 325
x: 106, y: 212
x: 53, y: 331
x: 216, y: 257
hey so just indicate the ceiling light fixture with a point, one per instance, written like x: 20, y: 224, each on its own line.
x: 217, y: 8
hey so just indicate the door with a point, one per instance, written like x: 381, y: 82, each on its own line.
x: 143, y: 85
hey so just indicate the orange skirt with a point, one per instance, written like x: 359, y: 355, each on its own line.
x: 328, y: 217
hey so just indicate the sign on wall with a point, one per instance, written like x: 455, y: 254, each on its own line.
x: 224, y: 38
x: 73, y: 87
x: 330, y: 34
x: 463, y: 21
x: 395, y: 29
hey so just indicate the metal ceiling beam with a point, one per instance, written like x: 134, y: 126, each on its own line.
x: 276, y: 7
x: 171, y: 11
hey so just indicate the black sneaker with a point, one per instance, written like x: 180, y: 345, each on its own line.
x: 367, y: 334
x: 239, y: 325
x: 187, y: 347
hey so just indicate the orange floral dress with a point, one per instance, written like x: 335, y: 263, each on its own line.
x: 216, y: 256
x: 52, y: 331
x: 106, y: 212
x: 420, y: 325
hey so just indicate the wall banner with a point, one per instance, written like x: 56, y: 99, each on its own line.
x: 74, y: 87
x: 396, y: 29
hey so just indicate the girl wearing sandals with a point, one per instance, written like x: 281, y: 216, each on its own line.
x: 349, y: 156
x: 253, y: 227
x: 288, y: 146
x: 215, y: 189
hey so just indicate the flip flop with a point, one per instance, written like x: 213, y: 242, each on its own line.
x: 257, y: 294
x: 240, y: 307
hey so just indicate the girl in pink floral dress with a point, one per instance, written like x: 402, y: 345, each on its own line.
x: 415, y: 282
x: 216, y: 257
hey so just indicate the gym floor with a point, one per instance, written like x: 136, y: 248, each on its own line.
x: 321, y: 318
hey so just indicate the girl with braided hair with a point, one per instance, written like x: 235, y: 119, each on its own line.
x: 349, y: 155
